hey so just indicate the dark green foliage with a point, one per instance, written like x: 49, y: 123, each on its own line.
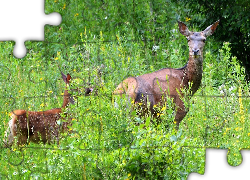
x: 234, y: 24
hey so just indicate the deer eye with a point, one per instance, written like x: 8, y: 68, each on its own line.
x: 204, y: 40
x: 188, y: 39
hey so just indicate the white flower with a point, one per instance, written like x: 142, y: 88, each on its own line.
x: 155, y: 48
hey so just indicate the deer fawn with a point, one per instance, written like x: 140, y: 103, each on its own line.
x: 42, y: 126
x: 151, y: 88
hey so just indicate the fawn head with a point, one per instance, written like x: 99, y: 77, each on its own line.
x: 67, y: 96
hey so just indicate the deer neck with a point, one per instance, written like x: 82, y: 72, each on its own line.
x: 193, y: 72
x: 66, y: 99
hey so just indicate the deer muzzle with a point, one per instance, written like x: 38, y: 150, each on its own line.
x: 196, y: 51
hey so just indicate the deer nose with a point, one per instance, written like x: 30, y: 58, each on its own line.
x: 195, y: 51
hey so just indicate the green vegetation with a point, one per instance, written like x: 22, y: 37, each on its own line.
x: 104, y: 141
x: 234, y: 24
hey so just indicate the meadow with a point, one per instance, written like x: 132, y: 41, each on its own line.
x: 105, y: 141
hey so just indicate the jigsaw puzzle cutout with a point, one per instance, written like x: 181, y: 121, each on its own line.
x: 80, y: 146
x: 216, y: 166
x: 23, y: 25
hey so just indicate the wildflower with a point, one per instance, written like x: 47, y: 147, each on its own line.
x: 77, y: 14
x: 56, y: 1
x: 241, y: 113
x: 163, y: 108
x: 64, y: 6
x: 187, y: 19
x: 248, y: 134
x: 117, y: 37
x: 42, y: 105
x: 41, y: 79
x: 56, y: 58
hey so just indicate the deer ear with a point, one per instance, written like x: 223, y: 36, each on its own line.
x: 68, y: 78
x: 64, y: 77
x: 210, y: 29
x: 183, y: 29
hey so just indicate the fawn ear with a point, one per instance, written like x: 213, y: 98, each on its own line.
x: 68, y: 78
x: 210, y: 29
x: 183, y: 29
x: 64, y: 77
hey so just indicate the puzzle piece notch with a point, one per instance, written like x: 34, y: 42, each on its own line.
x: 217, y: 167
x: 29, y: 22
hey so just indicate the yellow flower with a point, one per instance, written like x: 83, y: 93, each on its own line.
x: 42, y: 105
x: 248, y: 134
x: 242, y: 116
x: 55, y: 1
x: 41, y: 79
x: 77, y: 14
x: 64, y: 6
x: 187, y: 19
x: 56, y: 58
x: 163, y: 108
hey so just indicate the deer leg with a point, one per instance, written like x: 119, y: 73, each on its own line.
x: 180, y: 113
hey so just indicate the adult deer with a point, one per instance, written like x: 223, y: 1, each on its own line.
x: 151, y: 88
x: 42, y: 126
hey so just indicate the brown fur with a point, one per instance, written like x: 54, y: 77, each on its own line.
x: 153, y: 86
x: 31, y: 126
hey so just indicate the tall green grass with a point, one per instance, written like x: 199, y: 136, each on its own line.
x: 104, y: 141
